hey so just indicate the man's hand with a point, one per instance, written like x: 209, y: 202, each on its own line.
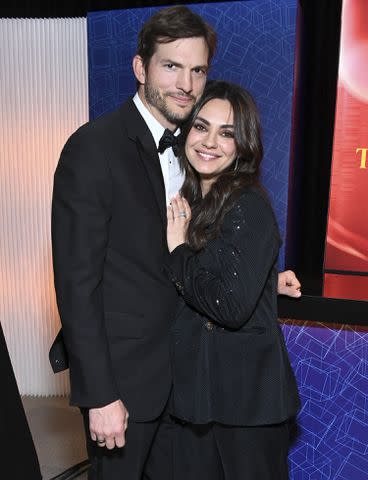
x: 107, y: 424
x: 288, y: 284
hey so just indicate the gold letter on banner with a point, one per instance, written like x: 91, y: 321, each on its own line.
x: 363, y: 158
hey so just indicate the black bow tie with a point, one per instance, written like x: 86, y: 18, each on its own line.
x: 168, y: 140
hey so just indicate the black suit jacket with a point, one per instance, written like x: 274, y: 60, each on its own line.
x: 230, y: 363
x: 109, y: 245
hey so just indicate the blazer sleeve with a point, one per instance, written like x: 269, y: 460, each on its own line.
x: 81, y: 209
x: 225, y: 280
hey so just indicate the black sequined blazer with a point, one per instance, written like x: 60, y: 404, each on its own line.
x: 229, y: 359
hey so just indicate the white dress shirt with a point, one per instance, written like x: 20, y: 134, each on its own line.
x: 171, y: 172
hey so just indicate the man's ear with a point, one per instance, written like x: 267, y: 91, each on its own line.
x: 139, y: 70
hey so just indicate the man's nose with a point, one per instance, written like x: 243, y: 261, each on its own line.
x: 184, y: 81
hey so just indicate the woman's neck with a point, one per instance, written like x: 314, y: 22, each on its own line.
x: 206, y: 184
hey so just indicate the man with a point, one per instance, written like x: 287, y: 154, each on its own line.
x: 109, y: 247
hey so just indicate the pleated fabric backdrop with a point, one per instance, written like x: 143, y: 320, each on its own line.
x: 43, y: 99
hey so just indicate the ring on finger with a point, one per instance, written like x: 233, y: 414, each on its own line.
x: 101, y: 441
x: 182, y: 214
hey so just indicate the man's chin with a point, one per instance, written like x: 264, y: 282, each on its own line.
x: 175, y: 118
x: 181, y: 114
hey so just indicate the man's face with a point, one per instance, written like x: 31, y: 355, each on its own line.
x: 174, y: 79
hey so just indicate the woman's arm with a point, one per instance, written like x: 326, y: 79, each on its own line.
x: 225, y: 280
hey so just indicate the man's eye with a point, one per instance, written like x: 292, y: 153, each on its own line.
x: 170, y: 66
x: 199, y: 71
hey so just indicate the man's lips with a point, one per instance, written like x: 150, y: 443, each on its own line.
x: 182, y: 99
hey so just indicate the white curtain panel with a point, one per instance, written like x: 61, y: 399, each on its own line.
x: 43, y: 99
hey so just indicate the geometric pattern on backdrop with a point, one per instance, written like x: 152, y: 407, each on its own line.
x: 256, y: 49
x: 330, y: 363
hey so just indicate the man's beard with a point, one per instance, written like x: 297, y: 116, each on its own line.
x: 154, y: 98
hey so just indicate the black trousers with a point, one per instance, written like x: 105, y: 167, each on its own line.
x: 147, y: 454
x: 220, y: 452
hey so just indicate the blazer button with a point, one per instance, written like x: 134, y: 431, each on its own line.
x: 209, y: 326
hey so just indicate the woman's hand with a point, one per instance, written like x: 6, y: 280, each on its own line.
x: 178, y: 218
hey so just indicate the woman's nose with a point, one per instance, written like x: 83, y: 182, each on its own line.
x: 209, y: 140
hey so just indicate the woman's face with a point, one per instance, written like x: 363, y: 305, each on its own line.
x: 210, y: 145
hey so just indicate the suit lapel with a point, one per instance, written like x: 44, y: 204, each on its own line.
x: 146, y: 147
x: 149, y: 156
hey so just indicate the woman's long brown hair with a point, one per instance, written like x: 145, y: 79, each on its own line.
x: 208, y: 211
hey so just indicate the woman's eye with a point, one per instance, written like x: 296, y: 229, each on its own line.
x: 228, y: 134
x: 199, y: 126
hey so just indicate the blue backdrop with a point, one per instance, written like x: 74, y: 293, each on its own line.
x: 330, y: 362
x: 256, y: 49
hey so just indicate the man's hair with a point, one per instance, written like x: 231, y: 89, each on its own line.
x: 170, y: 24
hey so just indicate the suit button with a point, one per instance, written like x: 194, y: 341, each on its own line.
x: 209, y: 326
x: 179, y: 287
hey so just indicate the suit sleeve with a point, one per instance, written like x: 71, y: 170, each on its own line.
x: 80, y: 216
x: 225, y: 280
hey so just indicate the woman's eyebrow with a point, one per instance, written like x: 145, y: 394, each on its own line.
x: 206, y: 122
x: 202, y: 120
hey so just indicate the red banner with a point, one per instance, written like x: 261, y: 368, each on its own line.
x: 346, y: 255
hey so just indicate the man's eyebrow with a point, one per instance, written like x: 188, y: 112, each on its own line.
x: 202, y: 67
x: 206, y: 122
x: 167, y: 60
x: 180, y: 65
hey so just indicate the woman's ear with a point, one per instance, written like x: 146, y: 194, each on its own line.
x: 139, y: 69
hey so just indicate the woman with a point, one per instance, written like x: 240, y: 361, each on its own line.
x: 234, y: 389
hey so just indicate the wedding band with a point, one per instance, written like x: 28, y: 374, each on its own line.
x: 182, y: 214
x: 101, y: 442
